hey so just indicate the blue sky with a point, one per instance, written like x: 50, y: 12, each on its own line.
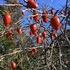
x: 1, y: 1
x: 55, y: 4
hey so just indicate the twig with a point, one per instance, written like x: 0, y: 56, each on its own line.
x: 12, y: 53
x: 11, y: 5
x: 18, y: 50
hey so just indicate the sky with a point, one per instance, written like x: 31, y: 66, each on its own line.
x: 54, y: 3
x: 1, y: 1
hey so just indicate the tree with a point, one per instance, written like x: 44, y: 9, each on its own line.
x: 41, y: 49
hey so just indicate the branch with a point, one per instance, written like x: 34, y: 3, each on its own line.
x: 18, y: 50
x: 12, y: 53
x: 11, y: 5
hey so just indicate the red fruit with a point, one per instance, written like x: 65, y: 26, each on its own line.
x: 9, y: 34
x: 34, y: 50
x: 23, y: 11
x: 38, y: 39
x: 61, y: 11
x: 33, y: 27
x: 10, y: 10
x: 66, y: 62
x: 58, y: 27
x: 52, y: 12
x: 12, y: 25
x: 55, y: 23
x: 19, y: 30
x: 14, y: 42
x: 30, y: 33
x: 54, y: 35
x: 32, y: 4
x: 34, y: 33
x: 36, y: 17
x: 42, y: 41
x: 9, y: 65
x: 7, y: 19
x: 31, y: 52
x: 45, y: 17
x: 44, y: 34
x: 13, y: 65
